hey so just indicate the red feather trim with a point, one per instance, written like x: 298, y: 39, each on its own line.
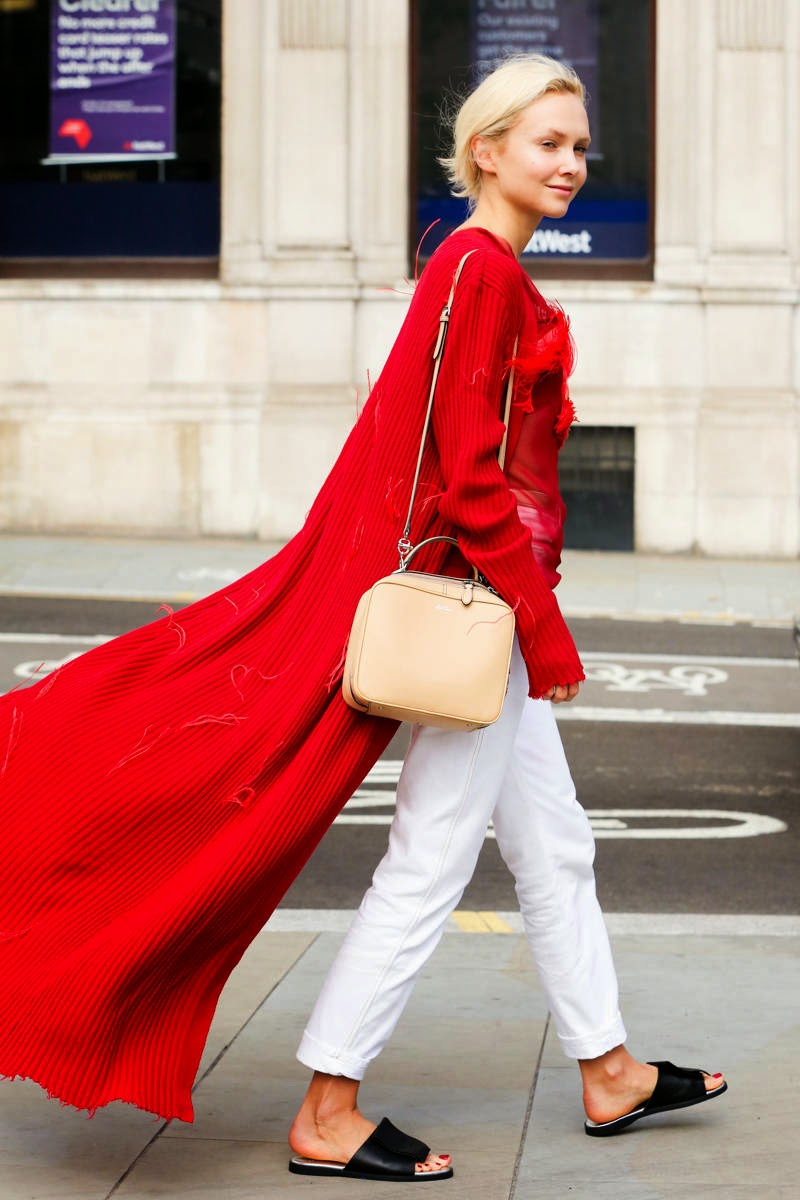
x: 554, y: 350
x: 565, y: 419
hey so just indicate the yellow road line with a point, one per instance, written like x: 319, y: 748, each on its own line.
x: 495, y: 923
x: 480, y: 922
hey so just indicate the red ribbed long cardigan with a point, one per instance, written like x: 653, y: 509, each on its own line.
x: 159, y: 794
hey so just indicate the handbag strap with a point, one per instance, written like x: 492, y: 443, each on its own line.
x: 404, y: 546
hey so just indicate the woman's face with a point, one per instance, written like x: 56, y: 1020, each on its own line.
x: 540, y: 164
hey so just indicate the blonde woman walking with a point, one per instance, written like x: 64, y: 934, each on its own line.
x: 519, y: 154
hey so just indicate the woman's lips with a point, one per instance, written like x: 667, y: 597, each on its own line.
x: 565, y: 191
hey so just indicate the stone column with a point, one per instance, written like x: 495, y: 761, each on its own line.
x: 753, y: 165
x: 726, y: 132
x: 286, y: 171
x: 684, y: 139
x: 244, y: 121
x: 747, y: 459
x: 379, y: 187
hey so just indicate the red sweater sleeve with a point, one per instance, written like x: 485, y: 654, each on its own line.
x: 468, y: 430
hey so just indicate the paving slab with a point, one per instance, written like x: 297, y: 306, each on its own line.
x: 688, y: 587
x: 265, y: 963
x: 48, y: 1150
x: 719, y: 1003
x: 458, y: 1072
x: 133, y: 568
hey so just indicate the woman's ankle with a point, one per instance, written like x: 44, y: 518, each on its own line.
x: 329, y: 1096
x: 606, y: 1068
x: 329, y: 1124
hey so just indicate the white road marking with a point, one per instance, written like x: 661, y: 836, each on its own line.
x: 38, y: 670
x: 720, y: 660
x: 614, y: 822
x: 338, y: 920
x: 54, y: 638
x: 663, y: 716
x: 385, y: 768
x: 741, y: 824
x: 692, y: 679
x: 633, y: 681
x: 605, y: 822
x: 587, y: 655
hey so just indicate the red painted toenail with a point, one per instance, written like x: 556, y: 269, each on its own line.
x: 717, y: 1076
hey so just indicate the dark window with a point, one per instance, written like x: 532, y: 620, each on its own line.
x: 127, y: 209
x: 608, y: 229
x: 596, y: 477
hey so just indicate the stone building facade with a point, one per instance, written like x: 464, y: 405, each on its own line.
x: 215, y: 406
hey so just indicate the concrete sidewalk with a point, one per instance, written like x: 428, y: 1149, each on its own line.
x: 626, y: 586
x: 475, y: 1069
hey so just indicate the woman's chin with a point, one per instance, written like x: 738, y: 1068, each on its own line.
x: 561, y: 206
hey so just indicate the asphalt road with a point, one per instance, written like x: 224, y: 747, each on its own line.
x: 683, y: 746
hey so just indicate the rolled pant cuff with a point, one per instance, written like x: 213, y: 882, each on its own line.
x: 592, y: 1045
x: 319, y: 1057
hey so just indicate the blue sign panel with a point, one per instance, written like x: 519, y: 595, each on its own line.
x: 594, y: 229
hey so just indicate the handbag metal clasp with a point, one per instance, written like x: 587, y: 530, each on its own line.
x: 467, y: 594
x: 443, y: 321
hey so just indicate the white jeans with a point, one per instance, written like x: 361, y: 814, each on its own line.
x: 515, y: 773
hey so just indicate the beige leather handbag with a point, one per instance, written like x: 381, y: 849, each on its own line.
x: 426, y: 648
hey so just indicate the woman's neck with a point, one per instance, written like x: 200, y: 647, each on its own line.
x: 513, y: 226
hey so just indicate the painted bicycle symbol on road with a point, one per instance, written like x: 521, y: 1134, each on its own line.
x: 374, y: 803
x: 690, y: 679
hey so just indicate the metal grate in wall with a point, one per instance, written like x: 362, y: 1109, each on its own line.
x: 596, y: 472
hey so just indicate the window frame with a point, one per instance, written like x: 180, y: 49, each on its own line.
x: 545, y: 268
x: 131, y: 267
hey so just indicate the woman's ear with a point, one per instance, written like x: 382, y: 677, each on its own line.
x: 483, y: 152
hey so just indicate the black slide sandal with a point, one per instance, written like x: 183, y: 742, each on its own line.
x: 387, y: 1155
x: 676, y: 1087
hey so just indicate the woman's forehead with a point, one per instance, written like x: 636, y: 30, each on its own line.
x: 557, y: 112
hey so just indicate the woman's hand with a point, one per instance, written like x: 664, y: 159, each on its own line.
x: 563, y: 693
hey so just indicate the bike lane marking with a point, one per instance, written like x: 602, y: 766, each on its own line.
x: 378, y: 791
x: 686, y: 678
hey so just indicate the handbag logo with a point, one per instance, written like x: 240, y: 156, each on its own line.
x: 442, y: 608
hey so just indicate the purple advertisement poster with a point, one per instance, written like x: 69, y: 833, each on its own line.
x: 112, y: 82
x: 563, y: 29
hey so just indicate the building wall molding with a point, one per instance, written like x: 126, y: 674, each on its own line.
x: 750, y: 24
x: 313, y: 24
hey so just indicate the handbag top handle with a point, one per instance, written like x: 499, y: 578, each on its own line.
x: 404, y: 545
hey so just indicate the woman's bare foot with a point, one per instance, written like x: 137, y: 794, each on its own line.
x: 330, y: 1128
x: 615, y: 1084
